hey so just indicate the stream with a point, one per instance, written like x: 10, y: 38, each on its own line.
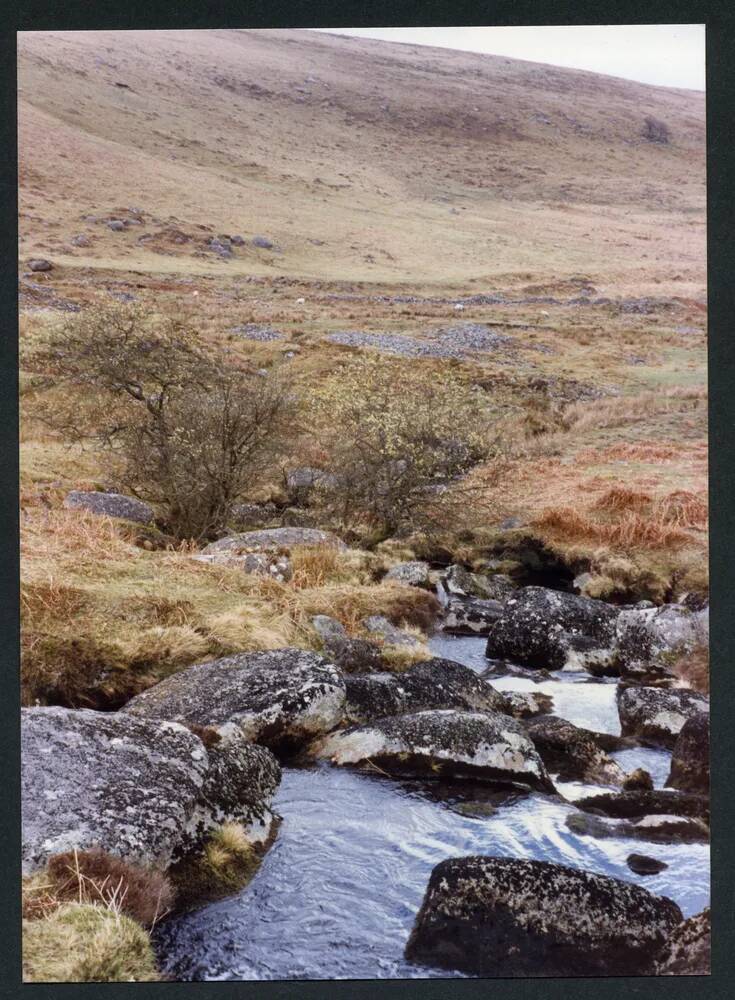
x: 337, y: 894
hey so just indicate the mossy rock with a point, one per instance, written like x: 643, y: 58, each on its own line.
x: 81, y: 943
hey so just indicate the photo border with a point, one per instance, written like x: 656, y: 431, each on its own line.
x: 719, y: 18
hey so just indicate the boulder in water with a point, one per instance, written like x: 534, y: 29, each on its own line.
x: 447, y: 744
x: 526, y: 704
x: 658, y: 829
x: 572, y: 752
x: 647, y: 637
x: 435, y: 683
x: 281, y: 698
x: 638, y: 780
x: 656, y: 716
x: 635, y: 804
x: 690, y: 757
x: 470, y: 615
x: 512, y: 917
x: 551, y: 629
x: 641, y: 864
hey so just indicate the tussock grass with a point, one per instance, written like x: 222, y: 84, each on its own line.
x: 86, y: 943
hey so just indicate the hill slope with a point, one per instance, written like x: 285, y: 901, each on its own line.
x: 359, y: 159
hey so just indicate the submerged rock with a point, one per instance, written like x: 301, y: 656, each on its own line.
x: 554, y: 630
x: 141, y: 789
x: 635, y: 804
x: 486, y: 746
x: 690, y: 757
x: 572, y: 752
x: 110, y: 504
x: 274, y: 538
x: 656, y: 716
x: 641, y: 864
x: 687, y: 949
x: 435, y: 683
x: 658, y: 829
x: 511, y: 917
x: 280, y: 698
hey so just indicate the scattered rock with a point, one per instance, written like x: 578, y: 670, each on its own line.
x: 435, y: 683
x: 656, y: 716
x: 553, y: 629
x: 263, y: 242
x: 274, y: 566
x: 486, y: 746
x: 116, y: 225
x: 687, y: 950
x: 512, y: 917
x: 470, y: 615
x: 81, y: 241
x: 572, y: 752
x: 273, y: 538
x: 280, y: 698
x: 413, y: 574
x: 641, y: 864
x: 356, y: 656
x: 379, y: 625
x: 526, y: 704
x: 110, y: 505
x: 638, y: 780
x: 328, y: 629
x: 690, y: 757
x: 255, y: 331
x: 40, y: 264
x: 237, y: 241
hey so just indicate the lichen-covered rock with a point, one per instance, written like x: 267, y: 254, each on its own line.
x: 444, y: 744
x: 96, y: 779
x: 656, y: 716
x: 280, y: 698
x: 435, y: 683
x: 654, y: 636
x: 355, y: 656
x: 457, y: 581
x: 378, y: 625
x: 110, y: 504
x: 328, y: 629
x: 470, y: 615
x: 274, y: 538
x: 572, y: 752
x: 413, y: 574
x: 687, y: 949
x: 636, y: 804
x: 252, y: 515
x: 554, y: 630
x: 526, y: 704
x: 240, y: 782
x: 512, y: 917
x: 277, y: 567
x: 690, y: 757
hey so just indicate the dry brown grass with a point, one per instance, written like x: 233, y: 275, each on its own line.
x: 97, y: 878
x: 631, y: 531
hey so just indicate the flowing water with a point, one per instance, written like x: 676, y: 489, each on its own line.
x: 336, y: 896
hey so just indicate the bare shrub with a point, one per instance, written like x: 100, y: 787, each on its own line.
x: 396, y: 441
x: 655, y: 130
x: 184, y: 427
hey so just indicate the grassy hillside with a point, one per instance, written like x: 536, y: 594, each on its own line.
x: 398, y: 186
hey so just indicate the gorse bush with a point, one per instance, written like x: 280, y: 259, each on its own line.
x: 396, y: 440
x: 183, y: 427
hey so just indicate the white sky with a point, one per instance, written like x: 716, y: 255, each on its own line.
x: 669, y: 55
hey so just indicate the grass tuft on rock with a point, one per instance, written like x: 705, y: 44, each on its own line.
x: 225, y: 864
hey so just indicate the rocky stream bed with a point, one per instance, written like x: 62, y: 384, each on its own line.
x: 337, y: 895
